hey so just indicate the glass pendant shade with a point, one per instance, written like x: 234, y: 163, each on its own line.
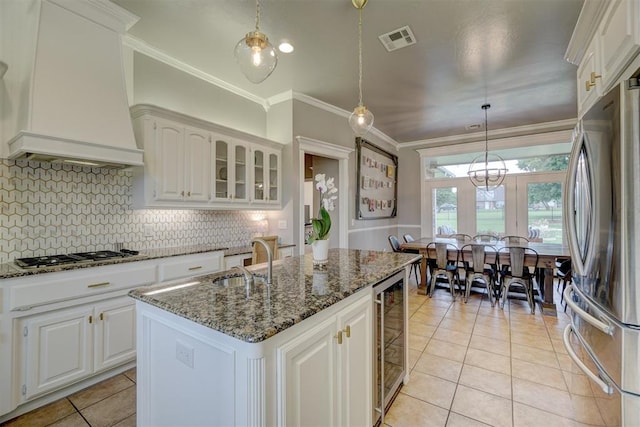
x: 361, y: 120
x: 256, y: 57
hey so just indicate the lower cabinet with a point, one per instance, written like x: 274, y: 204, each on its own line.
x: 64, y: 346
x: 326, y: 371
x: 318, y: 372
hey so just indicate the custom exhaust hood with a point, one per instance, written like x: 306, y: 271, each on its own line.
x: 68, y: 92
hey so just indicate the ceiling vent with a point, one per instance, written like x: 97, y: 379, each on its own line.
x: 397, y: 39
x: 474, y: 126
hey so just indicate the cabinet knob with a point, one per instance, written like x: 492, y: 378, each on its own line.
x: 101, y: 316
x: 339, y: 337
x: 347, y: 331
x: 182, y: 193
x: 90, y: 319
x: 189, y: 194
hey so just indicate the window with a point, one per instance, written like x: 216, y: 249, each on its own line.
x: 490, y: 216
x: 445, y: 210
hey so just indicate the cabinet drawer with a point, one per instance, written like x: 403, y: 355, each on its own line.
x: 190, y: 265
x: 54, y: 287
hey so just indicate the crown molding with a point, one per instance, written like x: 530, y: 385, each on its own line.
x: 152, y: 52
x: 102, y: 12
x: 314, y: 102
x: 547, y: 138
x: 527, y: 130
x: 323, y: 148
x: 586, y: 26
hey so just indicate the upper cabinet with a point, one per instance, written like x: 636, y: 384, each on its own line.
x: 195, y: 164
x: 605, y: 41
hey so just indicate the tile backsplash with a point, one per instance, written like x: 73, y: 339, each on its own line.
x: 49, y: 208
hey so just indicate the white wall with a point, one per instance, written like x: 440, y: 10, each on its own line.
x: 158, y: 84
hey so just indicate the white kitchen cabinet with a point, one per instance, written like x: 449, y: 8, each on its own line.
x: 266, y: 176
x: 285, y: 252
x: 618, y: 39
x: 189, y: 265
x: 115, y: 333
x: 602, y: 55
x: 194, y: 164
x: 237, y: 260
x: 327, y: 371
x: 64, y: 346
x: 299, y: 376
x: 180, y: 162
x: 231, y: 178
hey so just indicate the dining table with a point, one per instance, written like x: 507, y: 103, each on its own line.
x: 547, y: 254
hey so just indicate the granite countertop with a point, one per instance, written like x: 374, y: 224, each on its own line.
x: 10, y: 270
x: 298, y: 291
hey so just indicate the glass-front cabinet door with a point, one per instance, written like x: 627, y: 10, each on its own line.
x: 231, y: 171
x: 221, y: 171
x: 241, y: 173
x: 259, y: 187
x: 266, y: 176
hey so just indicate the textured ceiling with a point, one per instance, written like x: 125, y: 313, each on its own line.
x: 509, y: 53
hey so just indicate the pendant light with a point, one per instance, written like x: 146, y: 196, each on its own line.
x: 361, y: 120
x: 255, y: 55
x: 483, y: 175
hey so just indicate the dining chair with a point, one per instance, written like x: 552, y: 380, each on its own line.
x: 563, y: 272
x: 395, y: 246
x: 515, y: 272
x: 485, y: 238
x: 259, y: 253
x: 408, y: 238
x: 441, y: 267
x: 461, y: 237
x: 514, y: 240
x: 481, y: 266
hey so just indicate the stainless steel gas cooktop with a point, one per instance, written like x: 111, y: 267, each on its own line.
x: 64, y: 259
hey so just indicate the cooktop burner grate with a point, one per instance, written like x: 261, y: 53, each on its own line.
x: 64, y: 259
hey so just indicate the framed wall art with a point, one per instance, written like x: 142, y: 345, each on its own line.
x: 377, y: 178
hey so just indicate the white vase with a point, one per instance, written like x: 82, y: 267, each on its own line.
x: 320, y: 251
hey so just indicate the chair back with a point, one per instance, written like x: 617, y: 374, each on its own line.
x: 514, y: 240
x: 441, y: 250
x: 395, y: 243
x: 479, y: 255
x: 259, y: 254
x: 485, y: 238
x: 461, y: 237
x: 516, y: 260
x: 408, y: 238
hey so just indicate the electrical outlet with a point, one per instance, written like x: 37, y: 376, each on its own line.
x: 184, y: 353
x: 148, y: 230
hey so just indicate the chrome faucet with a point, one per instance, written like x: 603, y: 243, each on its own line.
x: 248, y: 277
x: 269, y: 257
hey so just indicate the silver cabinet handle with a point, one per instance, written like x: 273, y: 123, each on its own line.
x: 603, y: 326
x: 606, y: 387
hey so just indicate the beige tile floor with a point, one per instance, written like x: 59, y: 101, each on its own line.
x: 470, y: 364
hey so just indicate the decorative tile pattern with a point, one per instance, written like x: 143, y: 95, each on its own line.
x: 49, y: 208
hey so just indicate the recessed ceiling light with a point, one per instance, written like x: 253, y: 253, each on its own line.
x: 285, y: 47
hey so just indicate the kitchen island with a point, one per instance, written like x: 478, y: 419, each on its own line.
x: 222, y: 352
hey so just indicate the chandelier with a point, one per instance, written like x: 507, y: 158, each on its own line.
x: 487, y: 171
x: 361, y: 119
x: 256, y: 57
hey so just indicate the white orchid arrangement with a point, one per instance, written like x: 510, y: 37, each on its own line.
x: 322, y: 225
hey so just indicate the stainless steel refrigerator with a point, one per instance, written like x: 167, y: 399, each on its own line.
x: 602, y: 210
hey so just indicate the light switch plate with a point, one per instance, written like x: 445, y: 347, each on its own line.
x: 282, y: 224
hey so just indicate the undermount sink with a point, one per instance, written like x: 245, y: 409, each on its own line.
x: 238, y: 280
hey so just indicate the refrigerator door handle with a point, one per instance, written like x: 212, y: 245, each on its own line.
x: 605, y: 327
x: 606, y: 387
